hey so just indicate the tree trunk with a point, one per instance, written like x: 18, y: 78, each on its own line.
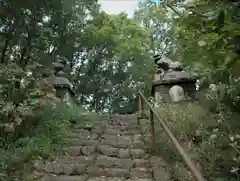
x: 6, y: 44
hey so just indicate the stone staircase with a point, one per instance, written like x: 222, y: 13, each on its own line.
x: 112, y: 150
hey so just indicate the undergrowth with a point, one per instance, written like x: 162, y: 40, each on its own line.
x: 205, y: 136
x: 47, y: 138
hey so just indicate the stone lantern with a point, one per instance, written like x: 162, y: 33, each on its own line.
x: 171, y: 83
x: 62, y: 85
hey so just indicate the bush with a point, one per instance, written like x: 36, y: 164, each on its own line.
x: 206, y: 137
x: 49, y: 136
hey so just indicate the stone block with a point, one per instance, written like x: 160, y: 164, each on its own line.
x: 88, y: 150
x: 140, y: 173
x: 116, y: 172
x: 74, y: 151
x: 107, y: 150
x: 137, y: 153
x: 68, y: 178
x: 124, y: 163
x: 105, y: 161
x: 123, y: 153
x: 142, y: 163
x: 86, y: 160
x: 95, y: 171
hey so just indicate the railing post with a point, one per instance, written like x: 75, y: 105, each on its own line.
x: 153, y: 133
x: 196, y: 173
x: 139, y: 109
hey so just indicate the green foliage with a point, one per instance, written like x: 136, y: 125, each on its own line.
x: 33, y: 123
x: 204, y: 36
x: 116, y: 65
x: 48, y: 137
x: 21, y: 94
x: 211, y: 33
x: 209, y: 140
x: 101, y: 67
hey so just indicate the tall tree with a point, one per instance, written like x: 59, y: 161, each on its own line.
x: 110, y: 64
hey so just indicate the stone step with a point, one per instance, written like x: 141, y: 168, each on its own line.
x: 78, y: 165
x: 122, y: 127
x: 96, y: 171
x: 106, y: 179
x: 85, y: 178
x: 108, y: 162
x: 108, y: 148
x: 66, y: 169
x: 80, y: 150
x: 122, y: 133
x: 51, y: 177
x: 135, y: 173
x: 83, y: 142
x: 115, y: 179
x: 87, y: 135
x: 64, y: 160
x: 114, y: 152
x: 111, y: 150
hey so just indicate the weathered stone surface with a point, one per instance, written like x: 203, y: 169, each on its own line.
x: 116, y: 172
x: 68, y: 169
x: 157, y: 162
x: 109, y: 140
x: 124, y: 138
x: 159, y: 167
x: 54, y: 168
x: 123, y: 153
x: 107, y: 150
x: 142, y: 163
x: 43, y: 177
x: 74, y: 151
x: 108, y: 137
x: 112, y: 143
x: 112, y: 131
x: 161, y: 174
x: 76, y: 142
x: 105, y: 161
x: 140, y: 173
x: 97, y: 130
x: 122, y: 144
x: 137, y: 153
x: 95, y: 171
x: 49, y: 168
x: 177, y: 93
x: 137, y: 137
x: 124, y: 163
x: 94, y: 136
x: 138, y: 145
x: 87, y: 160
x: 79, y: 169
x: 106, y: 153
x: 61, y: 160
x: 90, y: 142
x: 38, y: 165
x: 134, y: 127
x: 84, y: 133
x: 68, y: 178
x: 88, y: 150
x: 131, y: 132
x: 106, y: 179
x: 141, y: 179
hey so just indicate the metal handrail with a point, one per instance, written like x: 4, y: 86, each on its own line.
x: 198, y: 176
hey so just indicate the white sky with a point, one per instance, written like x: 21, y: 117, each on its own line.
x: 118, y: 6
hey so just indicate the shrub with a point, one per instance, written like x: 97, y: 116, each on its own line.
x: 48, y: 137
x: 207, y: 138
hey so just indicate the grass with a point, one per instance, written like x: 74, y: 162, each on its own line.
x: 193, y: 126
x: 46, y: 139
